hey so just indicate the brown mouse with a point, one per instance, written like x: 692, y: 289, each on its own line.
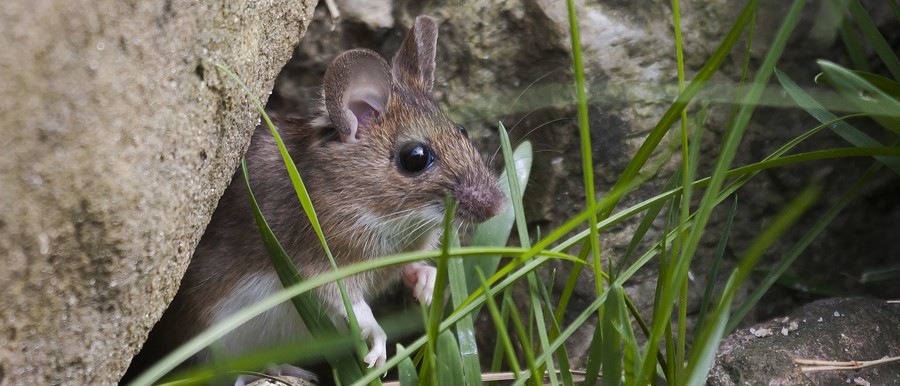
x: 378, y: 160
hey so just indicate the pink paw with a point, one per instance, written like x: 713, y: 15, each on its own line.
x: 420, y: 278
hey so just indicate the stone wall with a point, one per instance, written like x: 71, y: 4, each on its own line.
x: 118, y: 136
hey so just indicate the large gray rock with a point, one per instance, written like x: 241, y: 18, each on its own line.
x: 510, y: 61
x: 119, y: 135
x: 838, y: 330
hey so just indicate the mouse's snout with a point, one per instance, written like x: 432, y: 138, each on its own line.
x: 479, y: 199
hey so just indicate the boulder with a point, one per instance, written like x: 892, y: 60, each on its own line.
x: 844, y: 329
x: 119, y: 136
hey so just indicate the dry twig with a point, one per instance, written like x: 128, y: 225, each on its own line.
x: 822, y: 365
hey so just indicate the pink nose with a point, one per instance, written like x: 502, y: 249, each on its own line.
x: 478, y: 200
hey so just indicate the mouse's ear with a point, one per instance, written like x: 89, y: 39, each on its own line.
x: 357, y: 91
x: 413, y: 65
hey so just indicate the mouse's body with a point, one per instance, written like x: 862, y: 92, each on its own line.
x: 377, y: 161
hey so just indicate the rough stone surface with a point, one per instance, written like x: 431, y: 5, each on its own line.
x: 849, y: 329
x: 509, y: 61
x: 119, y: 135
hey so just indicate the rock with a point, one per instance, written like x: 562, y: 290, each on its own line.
x: 846, y: 329
x: 119, y: 136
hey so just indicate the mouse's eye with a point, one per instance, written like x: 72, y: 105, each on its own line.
x: 414, y: 157
x: 462, y: 130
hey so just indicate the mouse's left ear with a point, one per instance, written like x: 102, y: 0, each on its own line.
x: 357, y: 91
x: 413, y: 65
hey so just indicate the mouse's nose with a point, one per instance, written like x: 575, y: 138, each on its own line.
x: 479, y: 198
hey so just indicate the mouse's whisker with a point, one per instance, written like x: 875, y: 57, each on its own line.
x: 530, y: 85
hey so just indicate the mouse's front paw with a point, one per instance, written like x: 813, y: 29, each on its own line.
x: 420, y: 278
x: 371, y: 331
x: 378, y: 352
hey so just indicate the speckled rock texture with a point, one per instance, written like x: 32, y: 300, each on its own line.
x: 847, y: 329
x: 118, y: 136
x: 509, y: 61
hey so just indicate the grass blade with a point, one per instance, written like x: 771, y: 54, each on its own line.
x: 306, y: 304
x: 500, y: 324
x: 449, y: 369
x: 625, y: 181
x: 465, y: 328
x: 841, y: 128
x: 707, y: 343
x: 406, y: 370
x: 432, y: 327
x: 726, y: 155
x: 798, y: 248
x: 707, y: 298
x: 879, y: 44
x: 864, y: 95
x: 495, y: 231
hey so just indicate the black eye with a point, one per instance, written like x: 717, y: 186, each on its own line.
x: 414, y: 157
x: 462, y: 130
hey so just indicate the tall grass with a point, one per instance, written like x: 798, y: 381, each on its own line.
x: 531, y: 332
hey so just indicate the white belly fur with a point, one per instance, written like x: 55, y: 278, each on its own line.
x: 278, y: 325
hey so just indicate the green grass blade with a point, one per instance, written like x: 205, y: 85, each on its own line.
x: 626, y: 180
x: 306, y: 304
x: 879, y: 44
x: 743, y: 174
x: 621, y: 322
x: 524, y: 239
x: 798, y: 248
x: 841, y: 128
x: 570, y: 286
x: 726, y: 155
x: 706, y: 344
x: 562, y: 355
x: 864, y: 95
x: 432, y: 328
x: 849, y: 36
x: 406, y: 370
x: 887, y: 85
x: 515, y: 191
x: 495, y: 231
x: 587, y: 165
x: 707, y: 298
x: 612, y: 342
x: 595, y: 356
x: 450, y: 368
x: 500, y: 324
x: 877, y: 275
x: 534, y: 373
x: 650, y: 215
x: 541, y: 326
x: 465, y: 329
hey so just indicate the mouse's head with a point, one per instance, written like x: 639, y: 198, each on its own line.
x: 403, y: 154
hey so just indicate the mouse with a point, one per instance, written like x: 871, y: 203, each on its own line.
x: 378, y: 156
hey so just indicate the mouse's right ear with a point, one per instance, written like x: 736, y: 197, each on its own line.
x: 357, y: 91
